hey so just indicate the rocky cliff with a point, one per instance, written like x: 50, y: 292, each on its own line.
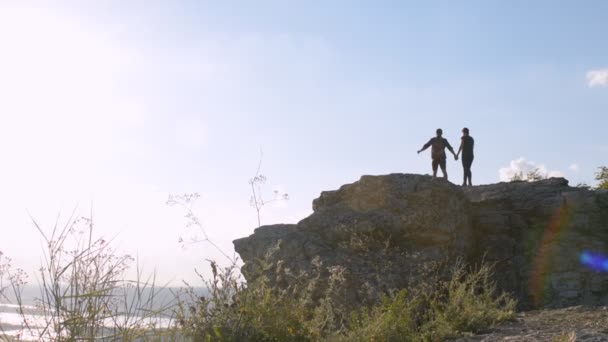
x: 388, y: 232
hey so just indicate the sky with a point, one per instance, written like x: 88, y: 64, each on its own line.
x: 109, y: 107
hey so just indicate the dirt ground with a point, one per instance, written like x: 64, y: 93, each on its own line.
x: 580, y: 324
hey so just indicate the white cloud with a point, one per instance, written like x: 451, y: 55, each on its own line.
x: 524, y: 166
x: 555, y: 173
x: 574, y: 167
x: 597, y: 78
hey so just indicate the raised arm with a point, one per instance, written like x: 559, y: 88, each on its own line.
x: 425, y: 146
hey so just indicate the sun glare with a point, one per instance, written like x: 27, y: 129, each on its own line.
x: 58, y: 84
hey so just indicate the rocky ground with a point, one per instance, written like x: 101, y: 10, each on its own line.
x: 578, y: 323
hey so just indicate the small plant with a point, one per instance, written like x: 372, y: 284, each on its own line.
x: 5, y: 270
x: 84, y: 294
x: 256, y: 200
x: 602, y: 177
x: 186, y: 202
x: 10, y: 280
x: 530, y: 176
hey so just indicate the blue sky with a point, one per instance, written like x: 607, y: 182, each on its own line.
x: 121, y: 104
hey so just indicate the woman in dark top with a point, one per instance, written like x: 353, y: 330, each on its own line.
x: 466, y: 147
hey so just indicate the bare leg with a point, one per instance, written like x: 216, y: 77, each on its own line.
x: 469, y: 173
x: 466, y: 166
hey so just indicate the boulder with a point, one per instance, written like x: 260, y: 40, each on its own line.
x: 384, y: 233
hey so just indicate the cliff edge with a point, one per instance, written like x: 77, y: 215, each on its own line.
x: 388, y: 232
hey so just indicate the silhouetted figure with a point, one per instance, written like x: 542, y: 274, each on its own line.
x: 439, y: 144
x: 466, y: 146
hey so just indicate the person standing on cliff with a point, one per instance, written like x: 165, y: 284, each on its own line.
x: 439, y: 144
x: 466, y: 147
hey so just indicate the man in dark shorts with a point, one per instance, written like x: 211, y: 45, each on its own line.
x: 466, y: 146
x: 439, y: 144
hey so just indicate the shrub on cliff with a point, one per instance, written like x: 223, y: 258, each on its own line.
x: 465, y: 304
x: 602, y: 177
x: 232, y: 311
x: 468, y: 303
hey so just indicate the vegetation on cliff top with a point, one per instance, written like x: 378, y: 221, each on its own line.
x: 83, y: 296
x: 465, y: 304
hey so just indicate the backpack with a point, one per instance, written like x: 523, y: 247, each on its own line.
x: 438, y: 149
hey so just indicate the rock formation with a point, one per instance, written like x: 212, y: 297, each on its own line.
x: 383, y: 233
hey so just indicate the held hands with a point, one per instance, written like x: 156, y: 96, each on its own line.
x: 455, y: 157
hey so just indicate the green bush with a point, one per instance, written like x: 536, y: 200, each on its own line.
x: 232, y: 311
x: 465, y: 304
x: 393, y: 320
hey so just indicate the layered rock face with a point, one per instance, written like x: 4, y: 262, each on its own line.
x: 383, y: 233
x: 537, y: 234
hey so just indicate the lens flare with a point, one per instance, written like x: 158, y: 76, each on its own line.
x: 595, y: 261
x: 541, y: 267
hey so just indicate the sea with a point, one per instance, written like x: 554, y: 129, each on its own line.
x: 13, y: 316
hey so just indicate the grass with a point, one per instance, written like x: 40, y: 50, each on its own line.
x: 84, y: 294
x: 466, y: 304
x: 233, y: 311
x: 565, y: 337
